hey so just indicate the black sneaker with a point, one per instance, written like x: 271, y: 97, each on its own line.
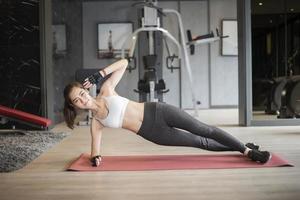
x: 252, y: 146
x: 259, y: 156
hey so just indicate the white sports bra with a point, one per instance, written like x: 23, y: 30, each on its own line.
x: 116, y: 106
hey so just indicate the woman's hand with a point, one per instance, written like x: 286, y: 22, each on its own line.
x: 87, y: 84
x: 93, y: 79
x: 96, y: 160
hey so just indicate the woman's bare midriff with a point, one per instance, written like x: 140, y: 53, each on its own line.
x: 133, y: 116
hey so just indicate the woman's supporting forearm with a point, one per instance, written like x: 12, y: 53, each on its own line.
x: 96, y: 143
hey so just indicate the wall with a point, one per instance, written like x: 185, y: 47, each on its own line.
x: 223, y: 69
x: 65, y: 65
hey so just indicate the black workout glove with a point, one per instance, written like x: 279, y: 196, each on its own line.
x: 95, y: 78
x: 93, y: 160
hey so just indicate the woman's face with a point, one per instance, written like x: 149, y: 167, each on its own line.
x: 80, y: 98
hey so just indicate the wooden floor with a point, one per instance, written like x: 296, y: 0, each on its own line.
x: 45, y: 177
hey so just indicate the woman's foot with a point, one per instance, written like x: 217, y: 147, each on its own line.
x: 252, y: 146
x: 259, y: 156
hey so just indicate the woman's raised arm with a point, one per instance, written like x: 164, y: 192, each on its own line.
x: 116, y: 70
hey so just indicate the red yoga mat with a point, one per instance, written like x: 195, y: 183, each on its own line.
x: 173, y: 162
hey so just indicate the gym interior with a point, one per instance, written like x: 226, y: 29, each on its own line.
x: 229, y: 63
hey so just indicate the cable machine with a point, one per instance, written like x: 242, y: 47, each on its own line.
x: 149, y: 88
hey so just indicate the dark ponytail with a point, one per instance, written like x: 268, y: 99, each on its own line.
x: 69, y: 110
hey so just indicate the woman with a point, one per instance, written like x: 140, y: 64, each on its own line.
x: 160, y: 123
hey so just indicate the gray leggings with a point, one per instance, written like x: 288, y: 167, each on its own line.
x: 168, y: 125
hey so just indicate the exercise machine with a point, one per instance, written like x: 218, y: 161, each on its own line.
x: 283, y: 98
x: 151, y: 25
x: 290, y: 99
x: 202, y: 39
x: 13, y: 115
x: 151, y: 85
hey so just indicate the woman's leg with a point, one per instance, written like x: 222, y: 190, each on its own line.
x: 161, y: 122
x: 176, y: 137
x: 175, y: 117
x: 155, y: 129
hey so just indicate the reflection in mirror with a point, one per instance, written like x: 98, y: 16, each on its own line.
x: 275, y: 59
